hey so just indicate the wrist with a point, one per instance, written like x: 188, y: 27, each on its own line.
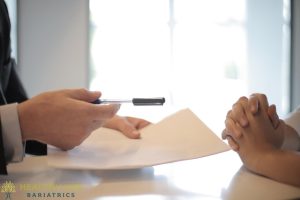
x: 267, y: 161
x: 24, y: 122
x: 291, y: 139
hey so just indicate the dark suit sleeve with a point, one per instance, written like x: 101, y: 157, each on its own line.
x: 15, y: 93
x: 3, y: 169
x: 12, y: 89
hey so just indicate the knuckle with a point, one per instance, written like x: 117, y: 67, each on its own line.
x: 260, y: 97
x: 82, y: 91
x: 263, y: 96
x: 89, y: 111
x: 224, y: 134
x: 228, y: 124
x: 254, y: 94
x: 112, y: 112
x: 228, y: 113
x: 235, y: 105
x: 243, y: 99
x: 106, y: 111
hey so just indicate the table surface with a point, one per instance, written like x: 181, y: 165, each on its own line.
x: 219, y: 176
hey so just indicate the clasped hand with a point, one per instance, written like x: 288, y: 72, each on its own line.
x: 253, y: 129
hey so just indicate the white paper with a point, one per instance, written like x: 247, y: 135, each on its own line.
x: 181, y: 136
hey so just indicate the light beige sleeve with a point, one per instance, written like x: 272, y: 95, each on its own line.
x: 293, y: 119
x: 11, y: 133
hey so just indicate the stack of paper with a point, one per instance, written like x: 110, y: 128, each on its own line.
x: 181, y: 136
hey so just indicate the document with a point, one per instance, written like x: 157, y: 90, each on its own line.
x: 180, y: 136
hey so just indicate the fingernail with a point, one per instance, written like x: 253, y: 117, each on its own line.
x: 96, y: 92
x: 136, y: 134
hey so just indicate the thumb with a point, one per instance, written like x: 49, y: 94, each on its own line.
x: 84, y: 95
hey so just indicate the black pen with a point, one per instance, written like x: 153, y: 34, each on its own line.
x: 135, y: 101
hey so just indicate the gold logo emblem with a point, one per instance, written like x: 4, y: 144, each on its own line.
x: 8, y: 187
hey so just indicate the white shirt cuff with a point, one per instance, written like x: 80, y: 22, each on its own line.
x: 11, y: 133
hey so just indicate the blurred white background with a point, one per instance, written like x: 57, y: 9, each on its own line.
x: 201, y: 54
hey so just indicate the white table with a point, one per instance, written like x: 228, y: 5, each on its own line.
x: 219, y: 176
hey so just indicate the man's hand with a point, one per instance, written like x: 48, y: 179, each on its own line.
x: 63, y: 118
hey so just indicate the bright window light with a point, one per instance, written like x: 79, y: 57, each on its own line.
x: 195, y: 53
